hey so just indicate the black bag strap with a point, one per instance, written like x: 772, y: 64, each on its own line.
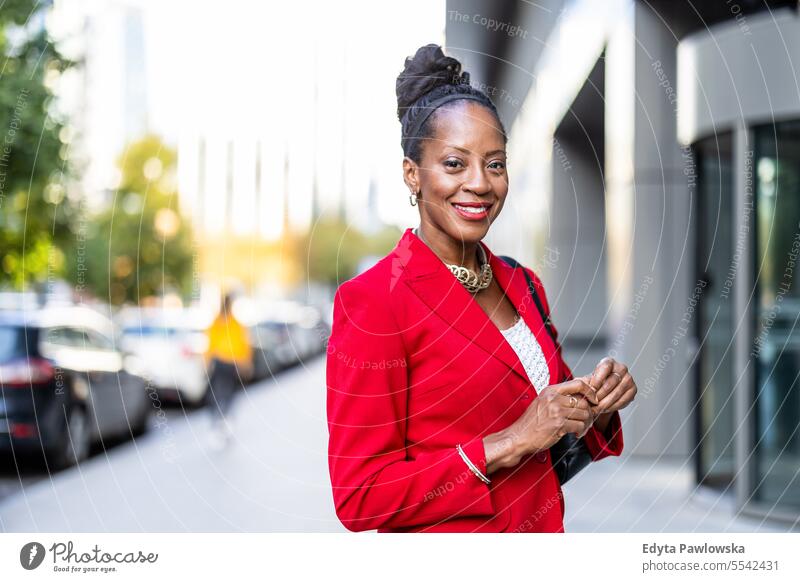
x: 569, y: 455
x: 545, y: 316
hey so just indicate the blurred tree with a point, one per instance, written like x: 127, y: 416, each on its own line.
x: 332, y: 250
x: 35, y: 211
x: 141, y: 246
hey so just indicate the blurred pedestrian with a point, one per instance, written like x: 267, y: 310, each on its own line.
x: 229, y: 362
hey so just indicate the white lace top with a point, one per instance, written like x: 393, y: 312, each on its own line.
x: 529, y: 352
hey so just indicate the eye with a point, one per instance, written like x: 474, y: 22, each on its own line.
x: 497, y: 165
x: 453, y: 163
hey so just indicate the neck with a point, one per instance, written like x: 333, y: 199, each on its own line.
x: 449, y: 250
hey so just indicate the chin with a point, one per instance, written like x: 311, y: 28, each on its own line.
x: 470, y: 233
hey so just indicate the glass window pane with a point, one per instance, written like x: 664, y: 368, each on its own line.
x: 777, y: 335
x: 715, y: 402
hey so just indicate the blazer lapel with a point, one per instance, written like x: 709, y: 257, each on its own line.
x: 430, y: 279
x: 513, y: 282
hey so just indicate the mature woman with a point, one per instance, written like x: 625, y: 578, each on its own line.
x: 445, y: 389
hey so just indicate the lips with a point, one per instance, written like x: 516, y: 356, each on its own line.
x: 472, y: 210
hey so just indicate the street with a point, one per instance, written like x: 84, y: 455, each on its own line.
x: 272, y: 477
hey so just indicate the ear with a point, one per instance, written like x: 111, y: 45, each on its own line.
x: 411, y: 174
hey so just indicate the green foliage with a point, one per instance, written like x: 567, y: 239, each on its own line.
x: 35, y: 212
x: 141, y: 246
x: 332, y: 250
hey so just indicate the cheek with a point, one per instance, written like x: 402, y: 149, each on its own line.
x: 438, y: 186
x: 501, y: 190
x: 500, y: 185
x: 440, y: 182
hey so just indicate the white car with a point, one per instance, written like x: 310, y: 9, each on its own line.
x: 170, y: 345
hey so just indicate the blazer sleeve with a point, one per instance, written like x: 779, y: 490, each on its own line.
x: 600, y: 444
x: 375, y: 482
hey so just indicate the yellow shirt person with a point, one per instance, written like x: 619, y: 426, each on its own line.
x: 228, y: 340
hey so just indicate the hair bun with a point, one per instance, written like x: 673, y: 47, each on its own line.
x: 428, y: 69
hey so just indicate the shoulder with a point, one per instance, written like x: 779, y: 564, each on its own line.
x: 381, y: 279
x: 366, y: 299
x: 538, y: 286
x: 537, y: 281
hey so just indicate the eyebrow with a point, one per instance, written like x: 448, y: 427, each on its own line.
x: 466, y: 151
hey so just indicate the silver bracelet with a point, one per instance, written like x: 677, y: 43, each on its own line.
x: 472, y: 466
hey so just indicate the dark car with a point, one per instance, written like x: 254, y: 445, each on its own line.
x: 64, y: 385
x: 279, y: 342
x: 271, y: 348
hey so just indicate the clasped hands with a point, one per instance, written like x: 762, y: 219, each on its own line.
x: 614, y: 388
x: 573, y: 406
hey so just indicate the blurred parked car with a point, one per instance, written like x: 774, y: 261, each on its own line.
x: 170, y: 343
x: 271, y: 348
x: 290, y: 334
x: 64, y: 384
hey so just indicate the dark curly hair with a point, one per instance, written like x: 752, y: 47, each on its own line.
x: 428, y: 76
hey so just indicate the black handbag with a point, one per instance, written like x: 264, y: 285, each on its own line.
x: 570, y: 454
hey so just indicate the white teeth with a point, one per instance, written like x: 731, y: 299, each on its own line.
x: 471, y: 209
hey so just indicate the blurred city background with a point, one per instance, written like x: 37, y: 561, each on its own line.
x: 155, y: 156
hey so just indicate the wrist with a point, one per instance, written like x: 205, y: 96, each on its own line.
x: 503, y: 449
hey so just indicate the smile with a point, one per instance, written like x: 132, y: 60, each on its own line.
x: 472, y: 210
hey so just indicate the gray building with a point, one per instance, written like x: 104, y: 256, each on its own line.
x: 654, y: 161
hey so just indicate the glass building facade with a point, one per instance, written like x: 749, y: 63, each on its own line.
x: 714, y: 414
x: 770, y: 234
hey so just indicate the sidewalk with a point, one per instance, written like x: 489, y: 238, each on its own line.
x: 273, y: 477
x: 647, y: 495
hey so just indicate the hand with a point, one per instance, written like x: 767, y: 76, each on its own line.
x: 557, y: 410
x: 614, y: 385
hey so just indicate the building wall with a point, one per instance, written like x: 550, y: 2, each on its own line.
x: 725, y: 82
x: 629, y: 209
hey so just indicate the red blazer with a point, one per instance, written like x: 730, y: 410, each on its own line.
x: 414, y: 367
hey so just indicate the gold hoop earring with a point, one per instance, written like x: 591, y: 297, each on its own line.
x: 412, y: 198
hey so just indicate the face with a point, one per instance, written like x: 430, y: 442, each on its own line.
x: 461, y: 178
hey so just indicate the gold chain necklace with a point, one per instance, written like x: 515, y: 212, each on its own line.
x: 472, y: 281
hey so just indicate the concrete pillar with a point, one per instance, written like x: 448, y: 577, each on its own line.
x: 648, y: 212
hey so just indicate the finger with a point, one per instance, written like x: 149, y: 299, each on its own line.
x: 617, y: 375
x: 578, y: 386
x: 587, y: 380
x: 581, y: 414
x: 609, y: 385
x: 626, y: 398
x: 611, y: 401
x: 573, y: 401
x: 602, y: 370
x: 607, y: 403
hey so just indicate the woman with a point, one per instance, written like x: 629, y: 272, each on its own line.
x: 445, y: 390
x: 229, y: 360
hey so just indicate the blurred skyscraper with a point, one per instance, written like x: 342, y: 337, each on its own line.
x: 106, y: 96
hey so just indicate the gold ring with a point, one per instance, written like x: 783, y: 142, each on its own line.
x: 573, y: 402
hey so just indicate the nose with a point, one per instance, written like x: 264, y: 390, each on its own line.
x: 476, y: 181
